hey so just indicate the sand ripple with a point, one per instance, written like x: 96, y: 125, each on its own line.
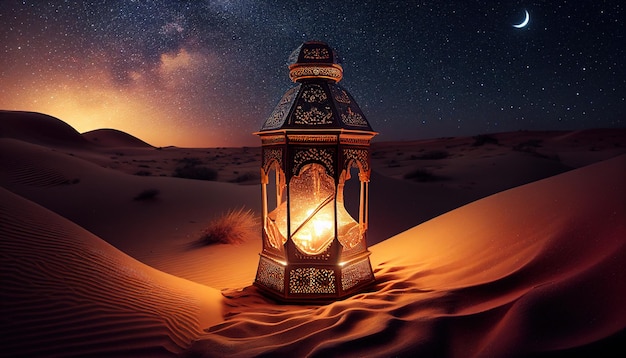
x: 66, y: 292
x: 33, y: 174
x: 492, y: 279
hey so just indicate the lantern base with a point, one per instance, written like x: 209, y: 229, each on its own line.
x: 313, y: 282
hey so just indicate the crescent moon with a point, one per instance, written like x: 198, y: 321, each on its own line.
x: 524, y: 23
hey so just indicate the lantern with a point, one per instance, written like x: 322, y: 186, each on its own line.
x: 314, y: 143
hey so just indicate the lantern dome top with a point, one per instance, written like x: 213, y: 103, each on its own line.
x: 315, y: 60
x: 317, y: 101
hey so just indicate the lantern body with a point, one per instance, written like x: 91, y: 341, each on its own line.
x: 315, y: 143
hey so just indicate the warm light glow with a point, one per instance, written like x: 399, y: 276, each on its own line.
x: 322, y: 227
x: 317, y: 233
x: 312, y: 214
x: 158, y: 103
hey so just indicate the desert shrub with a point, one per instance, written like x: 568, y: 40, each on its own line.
x: 482, y: 139
x: 531, y: 147
x: 234, y: 227
x: 434, y: 155
x: 187, y: 161
x: 71, y: 181
x: 392, y: 163
x: 195, y: 172
x: 245, y: 177
x: 528, y: 146
x: 143, y: 173
x: 148, y: 194
x: 422, y: 175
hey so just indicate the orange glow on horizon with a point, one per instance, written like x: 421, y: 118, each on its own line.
x: 151, y: 105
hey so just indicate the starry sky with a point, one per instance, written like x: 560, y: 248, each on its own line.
x: 208, y: 73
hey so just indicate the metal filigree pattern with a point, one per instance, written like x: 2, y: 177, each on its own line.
x: 270, y: 155
x: 312, y: 138
x: 309, y: 71
x: 354, y: 140
x: 313, y: 107
x: 348, y: 110
x: 316, y: 53
x: 324, y: 256
x: 358, y: 155
x: 314, y: 94
x: 271, y: 275
x: 313, y: 116
x: 318, y: 155
x: 353, y: 119
x: 278, y: 116
x: 354, y: 274
x: 358, y: 248
x: 311, y: 280
x: 342, y: 97
x: 273, y: 139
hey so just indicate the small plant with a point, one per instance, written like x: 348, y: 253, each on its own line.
x: 422, y: 175
x: 483, y: 139
x: 71, y: 182
x: 190, y: 161
x: 393, y: 163
x: 234, y: 227
x: 143, y: 173
x: 246, y: 177
x: 528, y: 146
x: 194, y: 172
x: 434, y: 155
x: 148, y: 194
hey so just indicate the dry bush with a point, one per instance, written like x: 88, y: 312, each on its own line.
x: 195, y: 172
x: 148, y: 194
x: 432, y: 155
x: 423, y: 175
x: 234, y: 227
x: 483, y: 139
x: 247, y: 177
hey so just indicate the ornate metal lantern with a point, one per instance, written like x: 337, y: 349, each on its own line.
x: 315, y: 140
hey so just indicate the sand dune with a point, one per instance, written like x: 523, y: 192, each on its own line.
x: 156, y: 231
x: 114, y: 138
x: 39, y: 128
x: 535, y: 270
x: 67, y: 293
x: 530, y: 271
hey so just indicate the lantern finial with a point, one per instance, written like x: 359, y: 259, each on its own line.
x: 314, y: 59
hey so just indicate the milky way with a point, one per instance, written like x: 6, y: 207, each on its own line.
x: 208, y: 73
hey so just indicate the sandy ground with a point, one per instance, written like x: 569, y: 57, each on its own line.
x: 499, y: 245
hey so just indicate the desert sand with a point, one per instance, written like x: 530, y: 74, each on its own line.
x: 502, y: 245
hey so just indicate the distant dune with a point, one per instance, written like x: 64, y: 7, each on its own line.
x: 500, y: 245
x: 114, y: 138
x: 39, y: 129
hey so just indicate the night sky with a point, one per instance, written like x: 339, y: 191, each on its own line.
x: 208, y: 73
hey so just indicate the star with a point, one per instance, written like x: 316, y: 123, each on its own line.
x: 209, y: 73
